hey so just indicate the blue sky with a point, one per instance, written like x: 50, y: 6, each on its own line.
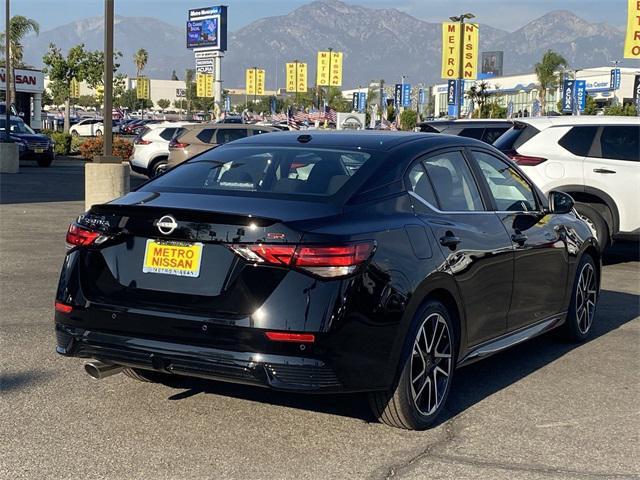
x: 505, y: 14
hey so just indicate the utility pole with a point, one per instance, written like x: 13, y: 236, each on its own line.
x: 8, y: 74
x: 108, y: 80
x: 460, y: 88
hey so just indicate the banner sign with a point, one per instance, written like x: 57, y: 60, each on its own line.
x: 397, y: 96
x: 362, y: 101
x: 354, y: 102
x: 329, y: 71
x: 142, y: 88
x: 74, y: 88
x: 568, y: 96
x: 581, y: 94
x: 255, y: 81
x: 451, y: 50
x: 204, y: 85
x: 227, y: 103
x: 207, y: 28
x: 616, y: 77
x: 205, y: 65
x: 492, y: 64
x: 636, y: 93
x: 452, y: 92
x: 406, y: 95
x: 296, y: 77
x: 421, y: 96
x: 632, y: 38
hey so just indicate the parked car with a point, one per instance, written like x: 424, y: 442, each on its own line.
x: 22, y: 146
x: 594, y: 159
x: 486, y: 130
x: 199, y: 138
x: 151, y: 148
x: 327, y: 262
x: 37, y: 147
x: 232, y: 119
x: 92, y: 127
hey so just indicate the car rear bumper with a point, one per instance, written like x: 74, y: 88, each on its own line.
x: 280, y: 372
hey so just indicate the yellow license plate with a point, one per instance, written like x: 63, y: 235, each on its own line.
x: 172, y: 258
x: 38, y: 150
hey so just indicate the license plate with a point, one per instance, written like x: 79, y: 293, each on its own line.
x: 38, y: 150
x: 172, y: 258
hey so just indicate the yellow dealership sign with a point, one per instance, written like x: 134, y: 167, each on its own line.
x: 329, y: 71
x: 204, y: 85
x: 74, y: 88
x: 296, y: 77
x: 451, y: 50
x: 255, y: 81
x: 632, y: 39
x: 142, y: 88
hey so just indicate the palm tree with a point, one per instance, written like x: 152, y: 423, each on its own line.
x: 479, y: 94
x: 140, y: 58
x: 19, y: 27
x: 547, y: 73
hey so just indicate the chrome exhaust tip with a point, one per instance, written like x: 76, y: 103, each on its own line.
x: 99, y: 370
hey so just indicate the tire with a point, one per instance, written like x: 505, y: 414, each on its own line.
x: 414, y: 404
x: 45, y: 162
x: 596, y: 222
x: 584, y: 297
x: 157, y: 167
x: 98, y: 133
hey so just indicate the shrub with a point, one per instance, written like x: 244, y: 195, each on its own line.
x: 408, y: 119
x: 93, y: 147
x: 63, y: 142
x: 76, y: 142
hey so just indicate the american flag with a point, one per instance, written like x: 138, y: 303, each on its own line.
x: 291, y: 119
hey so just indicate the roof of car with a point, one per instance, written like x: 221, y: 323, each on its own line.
x: 367, y: 139
x: 471, y: 121
x: 244, y: 126
x: 562, y: 120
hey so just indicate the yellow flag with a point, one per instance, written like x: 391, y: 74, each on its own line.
x: 250, y: 81
x: 142, y: 88
x: 204, y: 85
x: 74, y: 88
x: 470, y: 60
x: 329, y: 71
x: 450, y: 50
x: 260, y: 81
x: 632, y: 38
x: 296, y: 77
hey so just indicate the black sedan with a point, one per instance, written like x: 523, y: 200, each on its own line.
x: 327, y: 262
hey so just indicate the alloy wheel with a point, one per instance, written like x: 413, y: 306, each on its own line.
x: 586, y: 298
x: 431, y: 364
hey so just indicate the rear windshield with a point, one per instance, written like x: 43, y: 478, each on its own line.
x: 264, y: 171
x: 515, y: 137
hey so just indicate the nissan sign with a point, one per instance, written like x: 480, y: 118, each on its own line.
x: 31, y: 81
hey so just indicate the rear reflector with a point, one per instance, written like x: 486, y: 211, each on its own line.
x: 525, y: 160
x: 174, y: 144
x: 325, y: 261
x: 141, y: 141
x: 291, y: 337
x: 77, y: 235
x: 62, y: 308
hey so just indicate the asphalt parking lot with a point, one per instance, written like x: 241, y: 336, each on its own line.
x: 543, y: 410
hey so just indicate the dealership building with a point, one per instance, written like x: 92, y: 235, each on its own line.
x: 29, y: 88
x: 523, y: 90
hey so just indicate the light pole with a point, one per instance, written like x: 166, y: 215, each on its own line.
x: 8, y: 75
x: 461, y: 19
x: 108, y: 80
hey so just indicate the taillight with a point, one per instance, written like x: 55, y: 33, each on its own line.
x: 291, y: 337
x: 141, y: 141
x: 321, y: 260
x: 77, y: 235
x: 62, y: 307
x: 524, y: 160
x: 176, y: 144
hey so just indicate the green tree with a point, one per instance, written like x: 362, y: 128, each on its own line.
x: 628, y: 110
x: 129, y: 100
x: 140, y: 58
x: 591, y: 106
x: 19, y: 27
x: 479, y: 94
x: 88, y: 101
x: 408, y: 119
x: 337, y: 101
x: 163, y: 103
x: 547, y: 71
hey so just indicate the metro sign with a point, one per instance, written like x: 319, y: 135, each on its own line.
x: 26, y: 80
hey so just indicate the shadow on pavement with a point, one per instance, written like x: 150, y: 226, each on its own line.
x: 16, y: 381
x: 62, y: 182
x: 472, y: 384
x: 621, y: 252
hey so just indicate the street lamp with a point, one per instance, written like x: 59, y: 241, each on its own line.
x: 461, y: 19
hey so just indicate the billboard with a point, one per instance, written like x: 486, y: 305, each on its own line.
x: 207, y: 28
x: 451, y: 43
x: 296, y: 77
x: 492, y: 64
x: 255, y: 81
x: 632, y: 38
x: 329, y: 71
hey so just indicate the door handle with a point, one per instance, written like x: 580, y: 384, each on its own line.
x: 519, y: 238
x: 449, y: 240
x: 603, y: 170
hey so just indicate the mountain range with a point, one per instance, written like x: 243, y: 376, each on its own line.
x: 377, y: 43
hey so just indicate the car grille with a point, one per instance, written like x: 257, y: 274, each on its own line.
x: 38, y: 144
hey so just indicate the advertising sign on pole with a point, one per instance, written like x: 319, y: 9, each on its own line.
x: 142, y: 88
x: 581, y: 94
x: 397, y: 96
x: 227, y: 104
x: 616, y: 77
x: 568, y: 96
x: 362, y: 101
x: 636, y: 93
x: 451, y: 50
x: 354, y: 101
x: 492, y: 64
x: 421, y: 96
x: 329, y: 69
x: 632, y: 38
x: 296, y: 77
x: 204, y: 85
x: 452, y: 92
x: 406, y: 95
x: 74, y: 88
x: 207, y: 28
x: 255, y: 81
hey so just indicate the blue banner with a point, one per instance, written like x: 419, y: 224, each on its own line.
x: 354, y: 102
x: 616, y: 77
x: 568, y: 96
x: 397, y: 100
x: 421, y: 96
x: 227, y: 104
x: 581, y: 94
x: 362, y: 101
x: 452, y: 92
x: 406, y: 95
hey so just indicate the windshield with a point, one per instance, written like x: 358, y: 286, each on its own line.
x: 16, y: 126
x: 263, y: 171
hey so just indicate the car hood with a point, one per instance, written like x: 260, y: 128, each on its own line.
x: 34, y: 137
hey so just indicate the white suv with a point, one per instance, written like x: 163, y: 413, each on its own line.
x: 593, y: 158
x: 151, y: 148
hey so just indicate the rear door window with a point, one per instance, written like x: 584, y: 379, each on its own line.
x: 167, y: 133
x: 491, y: 134
x: 515, y: 137
x: 226, y: 135
x: 471, y: 132
x: 451, y: 178
x: 620, y: 142
x: 421, y: 185
x: 206, y: 135
x: 578, y: 140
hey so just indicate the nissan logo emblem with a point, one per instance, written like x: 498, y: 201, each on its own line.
x: 167, y: 225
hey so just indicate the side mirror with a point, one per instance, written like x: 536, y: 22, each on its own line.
x: 560, y: 202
